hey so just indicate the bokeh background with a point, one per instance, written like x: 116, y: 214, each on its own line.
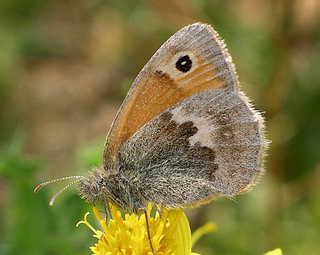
x: 65, y: 67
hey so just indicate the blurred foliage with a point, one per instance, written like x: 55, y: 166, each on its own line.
x: 65, y: 67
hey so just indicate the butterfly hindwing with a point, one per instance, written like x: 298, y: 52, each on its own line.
x: 208, y: 145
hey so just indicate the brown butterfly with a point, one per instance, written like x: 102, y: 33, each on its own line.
x: 184, y: 135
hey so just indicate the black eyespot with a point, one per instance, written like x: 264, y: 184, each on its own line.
x: 184, y: 64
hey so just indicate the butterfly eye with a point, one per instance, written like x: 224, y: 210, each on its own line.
x: 184, y: 64
x: 101, y: 182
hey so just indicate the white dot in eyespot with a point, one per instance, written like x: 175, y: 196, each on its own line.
x: 170, y: 66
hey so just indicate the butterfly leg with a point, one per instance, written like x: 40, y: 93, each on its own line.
x: 148, y: 231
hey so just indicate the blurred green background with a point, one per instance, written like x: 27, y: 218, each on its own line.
x: 65, y: 67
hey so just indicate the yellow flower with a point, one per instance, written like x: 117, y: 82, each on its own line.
x: 170, y: 233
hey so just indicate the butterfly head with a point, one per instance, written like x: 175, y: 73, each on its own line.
x: 102, y: 186
x: 92, y: 189
x: 95, y: 187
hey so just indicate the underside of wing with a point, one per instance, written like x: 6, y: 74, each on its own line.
x: 209, y: 145
x: 192, y: 61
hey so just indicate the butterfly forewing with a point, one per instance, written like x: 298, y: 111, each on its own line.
x: 193, y: 60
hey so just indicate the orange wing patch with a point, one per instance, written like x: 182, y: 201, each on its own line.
x: 160, y: 85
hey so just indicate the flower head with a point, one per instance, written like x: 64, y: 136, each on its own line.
x: 169, y: 231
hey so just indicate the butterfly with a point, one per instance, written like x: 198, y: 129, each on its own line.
x: 185, y: 133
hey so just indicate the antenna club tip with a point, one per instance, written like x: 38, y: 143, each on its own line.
x: 37, y: 188
x: 53, y: 199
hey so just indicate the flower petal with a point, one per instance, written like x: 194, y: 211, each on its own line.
x: 205, y: 229
x: 183, y: 237
x: 277, y: 251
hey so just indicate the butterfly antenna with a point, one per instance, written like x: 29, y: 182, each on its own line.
x: 62, y: 190
x: 41, y: 185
